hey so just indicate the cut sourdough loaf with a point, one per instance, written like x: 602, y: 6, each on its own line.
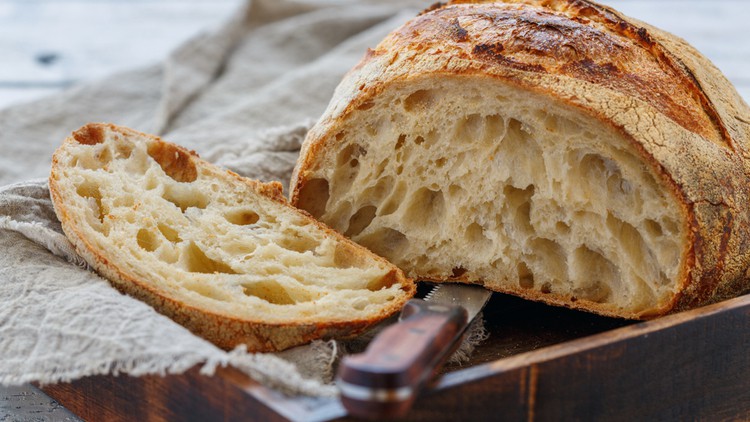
x: 555, y: 150
x: 225, y: 256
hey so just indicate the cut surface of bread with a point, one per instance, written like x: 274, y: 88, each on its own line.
x: 474, y: 180
x: 485, y: 143
x: 225, y: 256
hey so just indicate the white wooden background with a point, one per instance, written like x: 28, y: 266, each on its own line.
x: 48, y: 45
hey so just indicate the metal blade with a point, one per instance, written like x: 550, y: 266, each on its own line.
x: 472, y: 298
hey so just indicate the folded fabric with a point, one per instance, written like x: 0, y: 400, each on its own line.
x: 243, y: 97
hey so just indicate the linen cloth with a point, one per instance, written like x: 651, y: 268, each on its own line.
x: 243, y: 97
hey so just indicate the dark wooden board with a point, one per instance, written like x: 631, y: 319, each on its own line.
x: 540, y: 363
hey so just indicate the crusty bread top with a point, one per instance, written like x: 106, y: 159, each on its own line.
x: 600, y: 47
x: 210, y: 248
x: 680, y: 115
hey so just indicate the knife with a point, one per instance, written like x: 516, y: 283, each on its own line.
x: 383, y: 381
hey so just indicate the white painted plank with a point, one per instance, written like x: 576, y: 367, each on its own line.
x: 719, y: 29
x: 47, y: 45
x: 16, y: 95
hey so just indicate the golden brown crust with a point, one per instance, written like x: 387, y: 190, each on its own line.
x: 226, y: 331
x: 580, y: 40
x: 679, y: 112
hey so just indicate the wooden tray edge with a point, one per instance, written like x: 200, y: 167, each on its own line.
x: 684, y: 366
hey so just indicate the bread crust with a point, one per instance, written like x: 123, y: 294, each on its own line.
x: 676, y: 109
x: 224, y: 330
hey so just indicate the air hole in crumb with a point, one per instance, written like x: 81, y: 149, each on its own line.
x: 519, y: 199
x: 151, y: 182
x: 427, y: 207
x: 176, y: 162
x: 596, y: 291
x: 440, y: 162
x: 385, y: 242
x: 184, y: 198
x: 475, y: 234
x: 91, y: 192
x: 590, y: 268
x: 242, y: 217
x: 313, y: 196
x: 394, y: 200
x: 353, y: 163
x: 550, y: 257
x: 360, y: 303
x: 470, y: 128
x: 103, y: 155
x: 400, y: 141
x: 562, y: 228
x: 419, y: 100
x: 366, y: 105
x: 550, y: 123
x: 515, y: 132
x: 299, y: 242
x: 360, y: 220
x: 379, y: 191
x: 351, y: 152
x: 630, y: 240
x: 546, y: 288
x: 457, y: 272
x: 454, y: 191
x: 123, y: 150
x: 653, y: 228
x: 198, y: 262
x: 384, y: 282
x: 240, y: 249
x: 525, y: 276
x: 617, y: 187
x: 147, y: 240
x: 494, y: 127
x: 169, y: 233
x: 207, y: 290
x: 270, y: 291
x: 419, y: 140
x: 670, y: 226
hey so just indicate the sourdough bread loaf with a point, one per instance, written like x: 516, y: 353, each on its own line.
x: 225, y: 256
x: 553, y: 149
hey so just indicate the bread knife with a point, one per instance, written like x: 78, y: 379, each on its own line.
x: 384, y: 380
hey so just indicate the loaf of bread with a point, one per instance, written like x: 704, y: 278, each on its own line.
x: 552, y: 149
x: 225, y: 256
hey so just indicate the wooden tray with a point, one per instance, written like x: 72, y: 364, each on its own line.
x: 540, y: 363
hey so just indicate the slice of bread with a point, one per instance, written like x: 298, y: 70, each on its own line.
x: 553, y: 149
x: 225, y: 256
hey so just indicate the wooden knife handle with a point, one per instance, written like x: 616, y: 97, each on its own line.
x: 385, y: 379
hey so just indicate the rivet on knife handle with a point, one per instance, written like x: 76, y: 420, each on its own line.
x: 385, y: 379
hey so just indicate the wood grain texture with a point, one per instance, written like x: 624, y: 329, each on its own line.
x: 229, y: 395
x: 688, y: 366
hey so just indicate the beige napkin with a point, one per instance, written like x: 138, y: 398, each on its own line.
x: 242, y: 97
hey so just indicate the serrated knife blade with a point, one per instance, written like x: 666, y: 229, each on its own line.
x: 471, y: 298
